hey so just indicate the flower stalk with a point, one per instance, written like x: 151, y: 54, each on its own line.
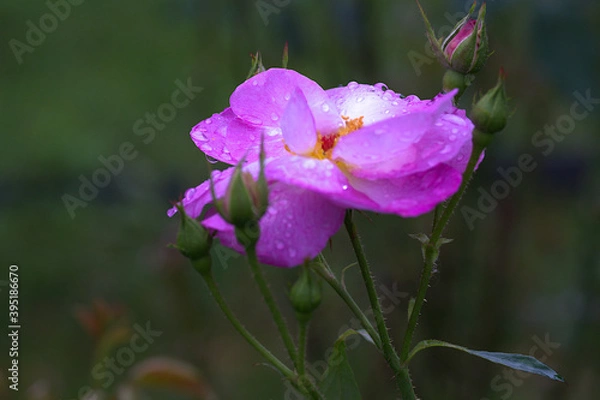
x: 431, y: 246
x: 271, y: 304
x: 389, y: 352
x: 323, y: 269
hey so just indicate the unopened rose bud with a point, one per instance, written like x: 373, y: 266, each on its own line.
x: 466, y: 48
x: 305, y: 294
x: 193, y: 240
x: 245, y: 201
x: 490, y: 113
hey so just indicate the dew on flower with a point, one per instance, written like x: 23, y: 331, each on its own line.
x: 352, y: 85
x: 325, y: 107
x: 208, y: 121
x: 452, y: 138
x: 210, y: 159
x: 309, y: 163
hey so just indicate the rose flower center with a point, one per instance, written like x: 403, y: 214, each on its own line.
x: 326, y: 144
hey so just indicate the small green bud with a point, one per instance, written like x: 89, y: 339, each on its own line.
x: 490, y: 113
x: 193, y: 240
x: 246, y: 200
x: 305, y: 294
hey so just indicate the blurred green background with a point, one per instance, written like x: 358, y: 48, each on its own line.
x: 530, y: 269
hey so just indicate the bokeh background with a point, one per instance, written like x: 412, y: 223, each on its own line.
x: 529, y: 269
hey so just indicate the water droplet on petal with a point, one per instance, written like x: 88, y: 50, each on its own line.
x: 460, y: 158
x: 190, y: 192
x: 394, y: 103
x: 358, y: 100
x: 226, y: 157
x: 274, y: 117
x: 309, y: 163
x: 352, y: 85
x: 222, y: 131
x: 254, y: 82
x: 292, y: 253
x: 210, y: 159
x: 344, y: 187
x: 279, y: 245
x: 272, y: 211
x: 225, y: 150
x: 325, y: 107
x: 439, y: 123
x: 208, y: 121
x: 454, y: 130
x: 205, y: 147
x: 452, y: 138
x: 446, y: 149
x: 273, y: 132
x: 287, y: 96
x: 386, y: 112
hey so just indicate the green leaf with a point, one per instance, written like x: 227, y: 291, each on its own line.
x: 519, y: 362
x: 338, y: 381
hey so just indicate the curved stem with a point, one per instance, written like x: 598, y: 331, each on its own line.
x: 270, y: 301
x: 431, y: 248
x: 325, y: 272
x: 214, y: 290
x: 403, y: 378
x: 302, y: 346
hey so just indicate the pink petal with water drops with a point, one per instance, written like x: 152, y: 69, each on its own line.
x: 262, y: 99
x: 298, y: 125
x: 227, y: 138
x: 373, y: 102
x: 296, y: 227
x: 403, y: 145
x: 197, y: 198
x: 412, y: 195
x: 320, y: 176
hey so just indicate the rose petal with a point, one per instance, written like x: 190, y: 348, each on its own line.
x: 373, y: 103
x: 197, y: 198
x: 321, y: 176
x: 227, y: 138
x: 412, y: 195
x: 406, y: 144
x: 296, y: 227
x: 298, y: 125
x: 262, y: 99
